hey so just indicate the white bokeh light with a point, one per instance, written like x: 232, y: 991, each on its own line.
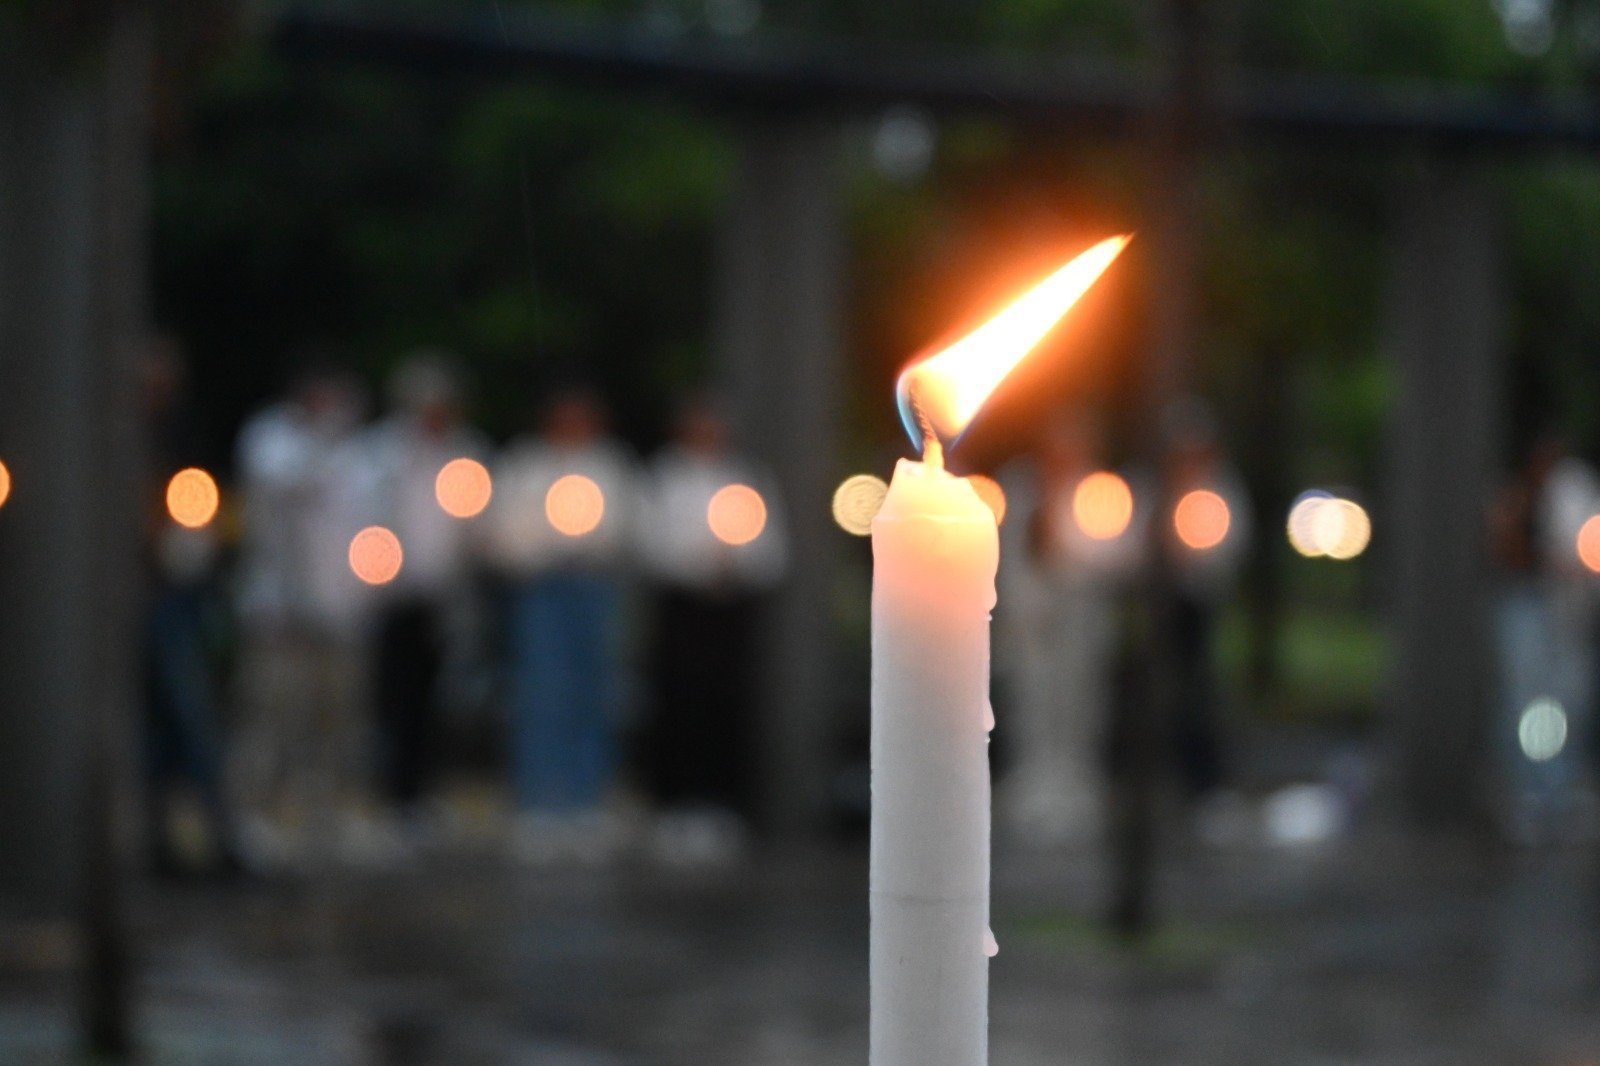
x: 1542, y: 729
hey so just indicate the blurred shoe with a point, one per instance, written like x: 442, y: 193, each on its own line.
x: 267, y: 844
x: 700, y: 837
x: 577, y: 838
x: 538, y: 839
x: 1303, y: 815
x: 596, y: 837
x: 1224, y: 819
x: 370, y: 840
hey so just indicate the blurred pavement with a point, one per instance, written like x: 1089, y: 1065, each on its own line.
x: 1365, y: 952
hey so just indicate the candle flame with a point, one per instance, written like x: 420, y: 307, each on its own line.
x: 940, y: 395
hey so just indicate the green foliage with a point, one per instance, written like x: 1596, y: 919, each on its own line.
x: 548, y: 233
x: 1553, y: 238
x: 540, y: 233
x: 1451, y: 40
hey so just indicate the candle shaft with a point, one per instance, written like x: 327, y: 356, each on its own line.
x: 935, y: 551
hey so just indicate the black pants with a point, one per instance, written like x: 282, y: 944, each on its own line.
x: 408, y: 661
x: 182, y: 742
x: 1184, y: 738
x: 698, y: 743
x: 1196, y: 734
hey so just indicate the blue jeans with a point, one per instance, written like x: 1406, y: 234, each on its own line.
x: 565, y: 686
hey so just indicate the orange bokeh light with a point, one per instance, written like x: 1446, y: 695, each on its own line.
x: 1201, y: 519
x: 949, y: 387
x: 463, y: 488
x: 737, y: 514
x: 376, y: 556
x: 574, y: 505
x: 5, y: 484
x: 1589, y: 544
x: 192, y: 498
x: 1102, y: 505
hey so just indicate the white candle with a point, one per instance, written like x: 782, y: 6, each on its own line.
x: 935, y: 550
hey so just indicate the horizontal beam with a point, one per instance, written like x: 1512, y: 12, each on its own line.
x: 850, y: 78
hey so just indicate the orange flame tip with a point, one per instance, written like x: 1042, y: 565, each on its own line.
x: 940, y: 395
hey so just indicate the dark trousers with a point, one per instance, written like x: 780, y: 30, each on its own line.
x: 181, y: 719
x: 698, y: 745
x: 1185, y: 737
x: 408, y: 660
x: 1196, y: 734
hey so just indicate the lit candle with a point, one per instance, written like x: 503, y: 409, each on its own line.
x: 935, y: 551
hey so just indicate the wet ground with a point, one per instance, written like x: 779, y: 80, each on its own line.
x: 1373, y: 951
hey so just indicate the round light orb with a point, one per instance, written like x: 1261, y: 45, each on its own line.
x: 992, y: 495
x: 1542, y: 729
x: 376, y: 556
x: 1588, y: 542
x: 857, y: 501
x: 1342, y: 529
x: 192, y: 498
x: 1302, y: 524
x: 5, y: 484
x: 737, y: 514
x: 463, y: 488
x: 1201, y: 520
x: 1102, y: 505
x: 574, y: 505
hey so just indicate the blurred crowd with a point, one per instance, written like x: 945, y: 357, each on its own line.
x: 383, y: 583
x: 394, y: 602
x: 1071, y: 647
x: 1080, y: 543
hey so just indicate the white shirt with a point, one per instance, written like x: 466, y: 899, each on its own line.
x: 518, y: 538
x: 1571, y: 494
x: 676, y: 543
x: 301, y: 482
x: 401, y: 465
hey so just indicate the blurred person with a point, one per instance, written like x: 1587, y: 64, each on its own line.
x: 558, y: 533
x: 713, y: 561
x: 182, y: 717
x: 1060, y: 593
x: 421, y: 612
x: 296, y: 762
x: 1544, y: 628
x: 1206, y: 546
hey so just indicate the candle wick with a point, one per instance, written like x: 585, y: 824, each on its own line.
x: 932, y: 450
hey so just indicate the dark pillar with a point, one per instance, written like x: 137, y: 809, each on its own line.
x: 1172, y: 254
x: 72, y: 304
x: 1446, y: 331
x: 778, y: 311
x: 49, y: 428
